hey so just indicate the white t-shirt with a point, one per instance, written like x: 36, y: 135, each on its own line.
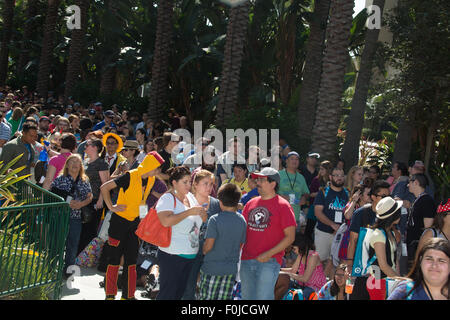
x: 185, y: 233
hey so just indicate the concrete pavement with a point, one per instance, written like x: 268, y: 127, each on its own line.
x: 84, y: 285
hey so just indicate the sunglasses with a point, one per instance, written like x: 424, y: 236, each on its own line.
x: 382, y: 195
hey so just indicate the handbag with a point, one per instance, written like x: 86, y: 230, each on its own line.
x: 152, y: 231
x: 90, y: 255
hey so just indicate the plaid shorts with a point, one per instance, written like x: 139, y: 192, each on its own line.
x: 216, y: 287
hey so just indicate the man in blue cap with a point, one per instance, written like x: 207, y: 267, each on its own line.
x: 108, y: 121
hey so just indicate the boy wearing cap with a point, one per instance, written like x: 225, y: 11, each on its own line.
x: 134, y: 187
x: 293, y: 185
x: 270, y: 230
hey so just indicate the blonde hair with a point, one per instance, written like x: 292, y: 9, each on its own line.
x: 65, y: 170
x: 349, y: 180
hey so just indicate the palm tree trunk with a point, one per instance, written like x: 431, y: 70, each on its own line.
x: 76, y: 50
x: 8, y: 17
x: 403, y: 143
x: 45, y: 61
x: 231, y: 66
x: 28, y: 31
x: 329, y: 106
x: 286, y: 55
x: 309, y: 90
x: 350, y: 150
x: 160, y: 67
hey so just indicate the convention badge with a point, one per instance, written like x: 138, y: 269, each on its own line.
x: 291, y: 198
x: 338, y: 216
x: 143, y: 210
x: 146, y: 264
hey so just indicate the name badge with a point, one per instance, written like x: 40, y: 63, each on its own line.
x: 143, y: 210
x: 291, y: 198
x: 338, y: 216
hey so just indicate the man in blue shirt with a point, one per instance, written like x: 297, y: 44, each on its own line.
x: 108, y: 121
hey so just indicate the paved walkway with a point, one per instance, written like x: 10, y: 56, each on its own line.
x: 85, y: 286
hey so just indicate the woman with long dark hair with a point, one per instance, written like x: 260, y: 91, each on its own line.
x: 180, y: 210
x: 335, y: 288
x: 429, y: 278
x: 307, y: 270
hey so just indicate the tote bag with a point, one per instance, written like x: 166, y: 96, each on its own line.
x: 152, y: 231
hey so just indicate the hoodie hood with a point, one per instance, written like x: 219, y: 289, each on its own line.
x: 151, y: 161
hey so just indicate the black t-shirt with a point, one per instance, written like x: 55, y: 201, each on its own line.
x: 168, y: 163
x: 423, y: 207
x: 308, y: 175
x: 362, y: 217
x: 92, y: 171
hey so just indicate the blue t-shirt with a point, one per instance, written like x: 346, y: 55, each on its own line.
x: 333, y: 203
x: 401, y: 292
x: 229, y: 231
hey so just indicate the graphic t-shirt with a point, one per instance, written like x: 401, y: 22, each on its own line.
x: 185, y: 234
x: 333, y: 203
x: 266, y: 221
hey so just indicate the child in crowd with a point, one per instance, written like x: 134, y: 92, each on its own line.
x: 225, y: 236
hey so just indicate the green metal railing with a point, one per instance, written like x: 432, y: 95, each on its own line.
x: 32, y: 240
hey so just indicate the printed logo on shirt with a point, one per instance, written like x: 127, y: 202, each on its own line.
x: 259, y: 219
x: 337, y: 204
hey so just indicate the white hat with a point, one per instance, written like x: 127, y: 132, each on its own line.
x: 387, y: 207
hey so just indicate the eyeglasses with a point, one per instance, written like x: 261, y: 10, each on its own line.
x: 111, y: 143
x: 382, y: 195
x: 338, y: 175
x: 340, y: 275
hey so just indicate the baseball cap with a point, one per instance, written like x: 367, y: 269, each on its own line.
x: 108, y: 113
x: 267, y: 172
x: 292, y: 153
x: 43, y: 118
x: 92, y: 111
x: 313, y: 155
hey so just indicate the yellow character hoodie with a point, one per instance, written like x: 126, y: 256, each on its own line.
x: 134, y: 196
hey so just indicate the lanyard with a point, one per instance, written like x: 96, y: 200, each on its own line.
x: 295, y: 179
x: 410, y: 217
x: 147, y: 189
x: 428, y: 290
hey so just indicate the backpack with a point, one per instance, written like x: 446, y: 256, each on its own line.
x: 336, y: 244
x: 300, y: 294
x: 361, y: 260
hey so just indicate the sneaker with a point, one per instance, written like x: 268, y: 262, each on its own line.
x: 110, y: 297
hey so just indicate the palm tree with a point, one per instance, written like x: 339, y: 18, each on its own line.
x: 350, y: 150
x: 309, y: 89
x: 329, y: 106
x: 45, y: 61
x: 28, y: 31
x: 8, y: 17
x: 76, y: 50
x: 231, y: 67
x: 160, y: 67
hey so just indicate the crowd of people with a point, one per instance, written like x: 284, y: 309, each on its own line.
x: 242, y: 225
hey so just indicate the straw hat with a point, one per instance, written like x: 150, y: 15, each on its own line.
x: 387, y: 207
x: 115, y: 136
